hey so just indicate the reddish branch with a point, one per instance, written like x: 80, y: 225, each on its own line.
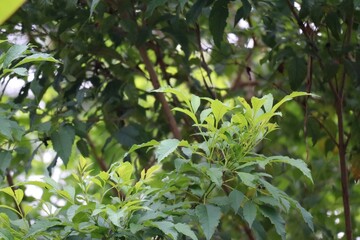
x: 338, y: 92
x: 160, y: 96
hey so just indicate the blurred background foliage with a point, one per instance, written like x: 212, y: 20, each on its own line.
x: 96, y: 100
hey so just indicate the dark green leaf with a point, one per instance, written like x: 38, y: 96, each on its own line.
x: 275, y: 219
x: 152, y: 5
x: 195, y: 11
x: 83, y: 147
x: 243, y: 12
x: 296, y: 69
x: 333, y: 23
x: 215, y: 175
x: 186, y: 230
x: 5, y: 159
x: 236, y: 198
x: 209, y: 217
x: 63, y: 140
x: 217, y: 20
x: 249, y: 212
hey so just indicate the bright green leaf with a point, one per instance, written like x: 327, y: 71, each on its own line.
x: 218, y: 109
x: 195, y: 102
x: 125, y: 171
x: 11, y: 7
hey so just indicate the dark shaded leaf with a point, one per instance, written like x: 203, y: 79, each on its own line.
x: 296, y: 69
x: 63, y: 140
x: 243, y: 12
x: 217, y: 20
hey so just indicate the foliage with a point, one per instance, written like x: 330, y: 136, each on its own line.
x: 113, y: 52
x: 216, y: 176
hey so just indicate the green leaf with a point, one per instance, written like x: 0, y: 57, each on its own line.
x: 83, y: 147
x: 209, y: 217
x: 19, y: 71
x: 290, y: 97
x: 8, y: 191
x: 94, y: 3
x: 195, y: 102
x: 37, y: 57
x: 5, y: 234
x: 19, y: 195
x: 248, y: 179
x: 275, y: 219
x: 166, y: 227
x: 217, y: 20
x: 125, y: 171
x: 333, y: 23
x: 115, y: 216
x: 249, y: 212
x: 218, y: 109
x: 187, y: 112
x: 305, y: 214
x: 135, y: 147
x: 5, y: 160
x: 152, y: 5
x: 165, y: 148
x: 14, y: 52
x: 63, y: 140
x: 298, y: 163
x: 215, y: 175
x: 186, y: 230
x: 41, y: 226
x: 204, y: 114
x: 297, y: 70
x: 269, y: 101
x: 5, y: 128
x: 243, y: 12
x: 11, y: 7
x: 195, y: 10
x: 236, y: 198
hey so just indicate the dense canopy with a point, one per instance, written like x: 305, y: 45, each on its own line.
x: 160, y: 119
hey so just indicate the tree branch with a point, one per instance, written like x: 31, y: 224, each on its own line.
x: 160, y: 96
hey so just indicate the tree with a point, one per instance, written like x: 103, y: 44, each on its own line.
x: 112, y: 52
